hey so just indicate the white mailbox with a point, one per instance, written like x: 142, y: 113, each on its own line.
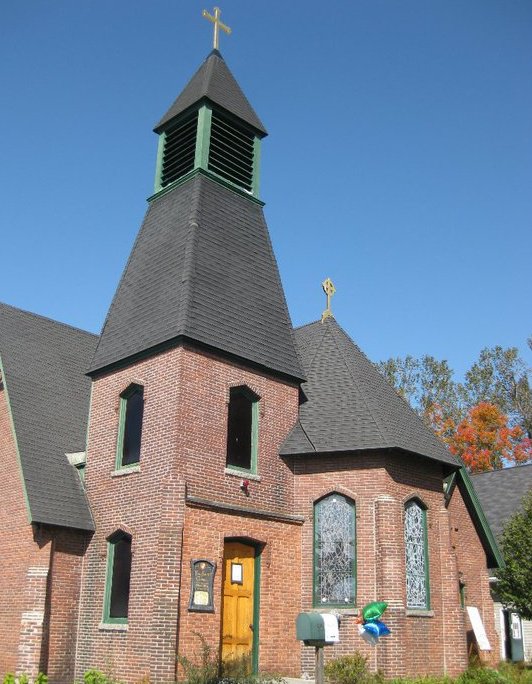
x: 330, y: 623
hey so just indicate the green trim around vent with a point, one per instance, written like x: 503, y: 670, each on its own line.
x: 214, y: 142
x: 179, y: 149
x: 231, y: 151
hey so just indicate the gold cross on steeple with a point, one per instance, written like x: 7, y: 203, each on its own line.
x: 217, y: 25
x: 329, y: 290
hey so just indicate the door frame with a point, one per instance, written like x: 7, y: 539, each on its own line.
x: 258, y: 546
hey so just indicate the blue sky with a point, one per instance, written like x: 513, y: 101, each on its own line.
x: 399, y: 160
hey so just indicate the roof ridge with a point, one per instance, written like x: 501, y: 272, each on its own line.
x: 377, y: 420
x: 508, y: 469
x: 209, y: 70
x: 311, y: 364
x: 48, y: 318
x: 306, y: 325
x: 190, y: 256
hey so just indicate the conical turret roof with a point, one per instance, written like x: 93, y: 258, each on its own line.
x: 215, y: 82
x: 350, y: 406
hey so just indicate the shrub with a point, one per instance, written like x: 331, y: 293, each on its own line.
x: 428, y: 679
x: 206, y: 672
x: 23, y: 678
x: 212, y: 670
x: 97, y: 677
x: 350, y: 669
x: 516, y: 673
x: 481, y: 675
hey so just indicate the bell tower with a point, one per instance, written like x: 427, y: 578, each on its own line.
x: 212, y: 129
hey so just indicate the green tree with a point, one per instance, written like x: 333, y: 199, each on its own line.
x: 424, y: 383
x: 515, y: 580
x: 501, y: 377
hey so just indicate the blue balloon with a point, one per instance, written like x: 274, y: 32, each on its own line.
x: 371, y: 628
x: 367, y: 636
x: 383, y: 630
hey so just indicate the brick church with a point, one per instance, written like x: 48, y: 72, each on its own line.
x: 201, y: 467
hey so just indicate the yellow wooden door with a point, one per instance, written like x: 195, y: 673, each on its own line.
x: 237, y: 612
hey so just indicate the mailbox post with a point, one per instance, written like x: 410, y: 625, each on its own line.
x: 318, y: 630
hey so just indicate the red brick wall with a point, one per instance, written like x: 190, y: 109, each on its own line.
x: 473, y: 572
x: 183, y: 455
x: 183, y: 440
x: 68, y: 548
x: 380, y: 484
x: 23, y: 565
x: 205, y: 532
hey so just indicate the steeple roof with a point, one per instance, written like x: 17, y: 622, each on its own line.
x: 202, y: 269
x: 215, y: 82
x: 350, y: 406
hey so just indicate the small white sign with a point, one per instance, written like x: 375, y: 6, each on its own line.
x: 478, y: 628
x: 236, y: 573
x: 516, y: 625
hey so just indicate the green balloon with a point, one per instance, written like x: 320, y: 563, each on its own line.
x: 373, y: 611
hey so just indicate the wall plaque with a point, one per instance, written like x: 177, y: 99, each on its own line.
x: 201, y: 586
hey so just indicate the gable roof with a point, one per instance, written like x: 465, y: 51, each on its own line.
x: 215, y: 82
x: 202, y: 269
x: 501, y: 493
x: 43, y: 365
x: 351, y: 407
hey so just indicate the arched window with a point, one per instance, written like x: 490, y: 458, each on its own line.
x: 242, y: 429
x: 416, y: 554
x: 130, y: 426
x: 116, y: 603
x: 334, y: 552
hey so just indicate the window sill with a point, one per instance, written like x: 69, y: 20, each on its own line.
x: 126, y: 471
x: 113, y: 627
x: 242, y: 474
x: 410, y: 612
x: 339, y: 610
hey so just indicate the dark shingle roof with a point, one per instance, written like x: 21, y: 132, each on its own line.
x: 350, y: 405
x: 202, y: 267
x: 44, y: 364
x: 501, y: 493
x: 214, y: 81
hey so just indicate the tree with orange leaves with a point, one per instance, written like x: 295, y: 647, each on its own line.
x: 483, y: 439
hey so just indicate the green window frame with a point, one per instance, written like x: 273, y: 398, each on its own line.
x: 118, y: 578
x: 334, y: 558
x: 130, y: 434
x: 242, y: 430
x: 416, y: 556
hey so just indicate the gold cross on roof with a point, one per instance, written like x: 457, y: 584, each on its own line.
x: 329, y: 289
x: 217, y: 25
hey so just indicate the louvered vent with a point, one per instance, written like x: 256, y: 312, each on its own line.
x: 179, y: 150
x: 231, y: 152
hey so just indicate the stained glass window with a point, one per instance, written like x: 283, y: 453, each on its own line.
x: 417, y: 586
x: 334, y: 552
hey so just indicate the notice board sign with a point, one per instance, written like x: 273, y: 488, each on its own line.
x: 478, y: 628
x: 201, y: 587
